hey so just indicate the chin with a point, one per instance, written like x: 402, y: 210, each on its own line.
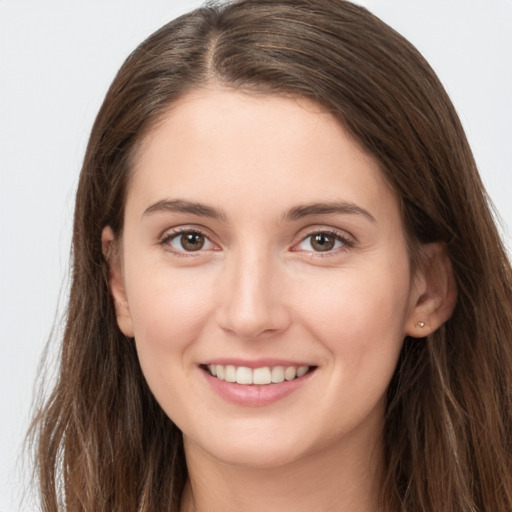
x: 258, y: 450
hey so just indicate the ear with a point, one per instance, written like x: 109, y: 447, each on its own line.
x: 112, y: 256
x: 434, y: 292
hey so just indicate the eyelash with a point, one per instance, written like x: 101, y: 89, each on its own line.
x: 346, y: 242
x: 170, y: 236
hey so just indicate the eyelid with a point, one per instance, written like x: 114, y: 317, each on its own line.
x: 171, y: 233
x: 346, y: 238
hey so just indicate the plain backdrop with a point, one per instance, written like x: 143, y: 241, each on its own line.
x: 57, y: 59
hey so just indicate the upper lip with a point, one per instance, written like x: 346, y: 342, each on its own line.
x: 256, y: 363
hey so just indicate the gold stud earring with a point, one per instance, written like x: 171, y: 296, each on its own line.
x: 421, y: 324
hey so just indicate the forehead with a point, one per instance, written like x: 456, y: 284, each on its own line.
x: 258, y: 150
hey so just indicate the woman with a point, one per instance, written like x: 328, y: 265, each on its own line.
x: 288, y: 290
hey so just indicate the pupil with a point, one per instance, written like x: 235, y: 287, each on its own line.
x: 322, y: 242
x: 192, y: 241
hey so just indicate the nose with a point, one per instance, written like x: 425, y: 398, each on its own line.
x: 250, y: 298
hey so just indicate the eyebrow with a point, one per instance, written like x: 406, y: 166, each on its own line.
x: 184, y: 206
x: 340, y: 207
x: 295, y: 213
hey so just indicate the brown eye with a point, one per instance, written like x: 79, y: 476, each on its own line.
x: 192, y: 241
x: 322, y: 242
x: 189, y: 241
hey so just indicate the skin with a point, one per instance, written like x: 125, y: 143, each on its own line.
x: 260, y: 289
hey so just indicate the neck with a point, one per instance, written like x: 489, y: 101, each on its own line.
x: 334, y: 480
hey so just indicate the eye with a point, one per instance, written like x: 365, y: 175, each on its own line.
x: 323, y: 241
x: 188, y: 241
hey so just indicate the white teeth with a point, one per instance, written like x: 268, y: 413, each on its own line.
x: 230, y: 373
x: 277, y: 374
x: 290, y: 373
x: 261, y: 376
x: 258, y: 376
x: 302, y: 370
x: 243, y: 375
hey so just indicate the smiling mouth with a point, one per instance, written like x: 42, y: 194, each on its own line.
x: 256, y: 376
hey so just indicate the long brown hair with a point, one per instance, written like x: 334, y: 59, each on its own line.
x: 104, y: 444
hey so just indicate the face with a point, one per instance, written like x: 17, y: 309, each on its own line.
x: 262, y: 245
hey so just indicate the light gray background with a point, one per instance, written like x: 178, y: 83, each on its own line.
x: 57, y: 59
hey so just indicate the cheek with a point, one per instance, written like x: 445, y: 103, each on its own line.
x: 361, y: 324
x: 359, y: 315
x: 168, y: 309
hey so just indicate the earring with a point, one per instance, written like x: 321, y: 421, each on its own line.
x: 421, y: 324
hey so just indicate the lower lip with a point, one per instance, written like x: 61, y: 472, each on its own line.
x: 255, y: 395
